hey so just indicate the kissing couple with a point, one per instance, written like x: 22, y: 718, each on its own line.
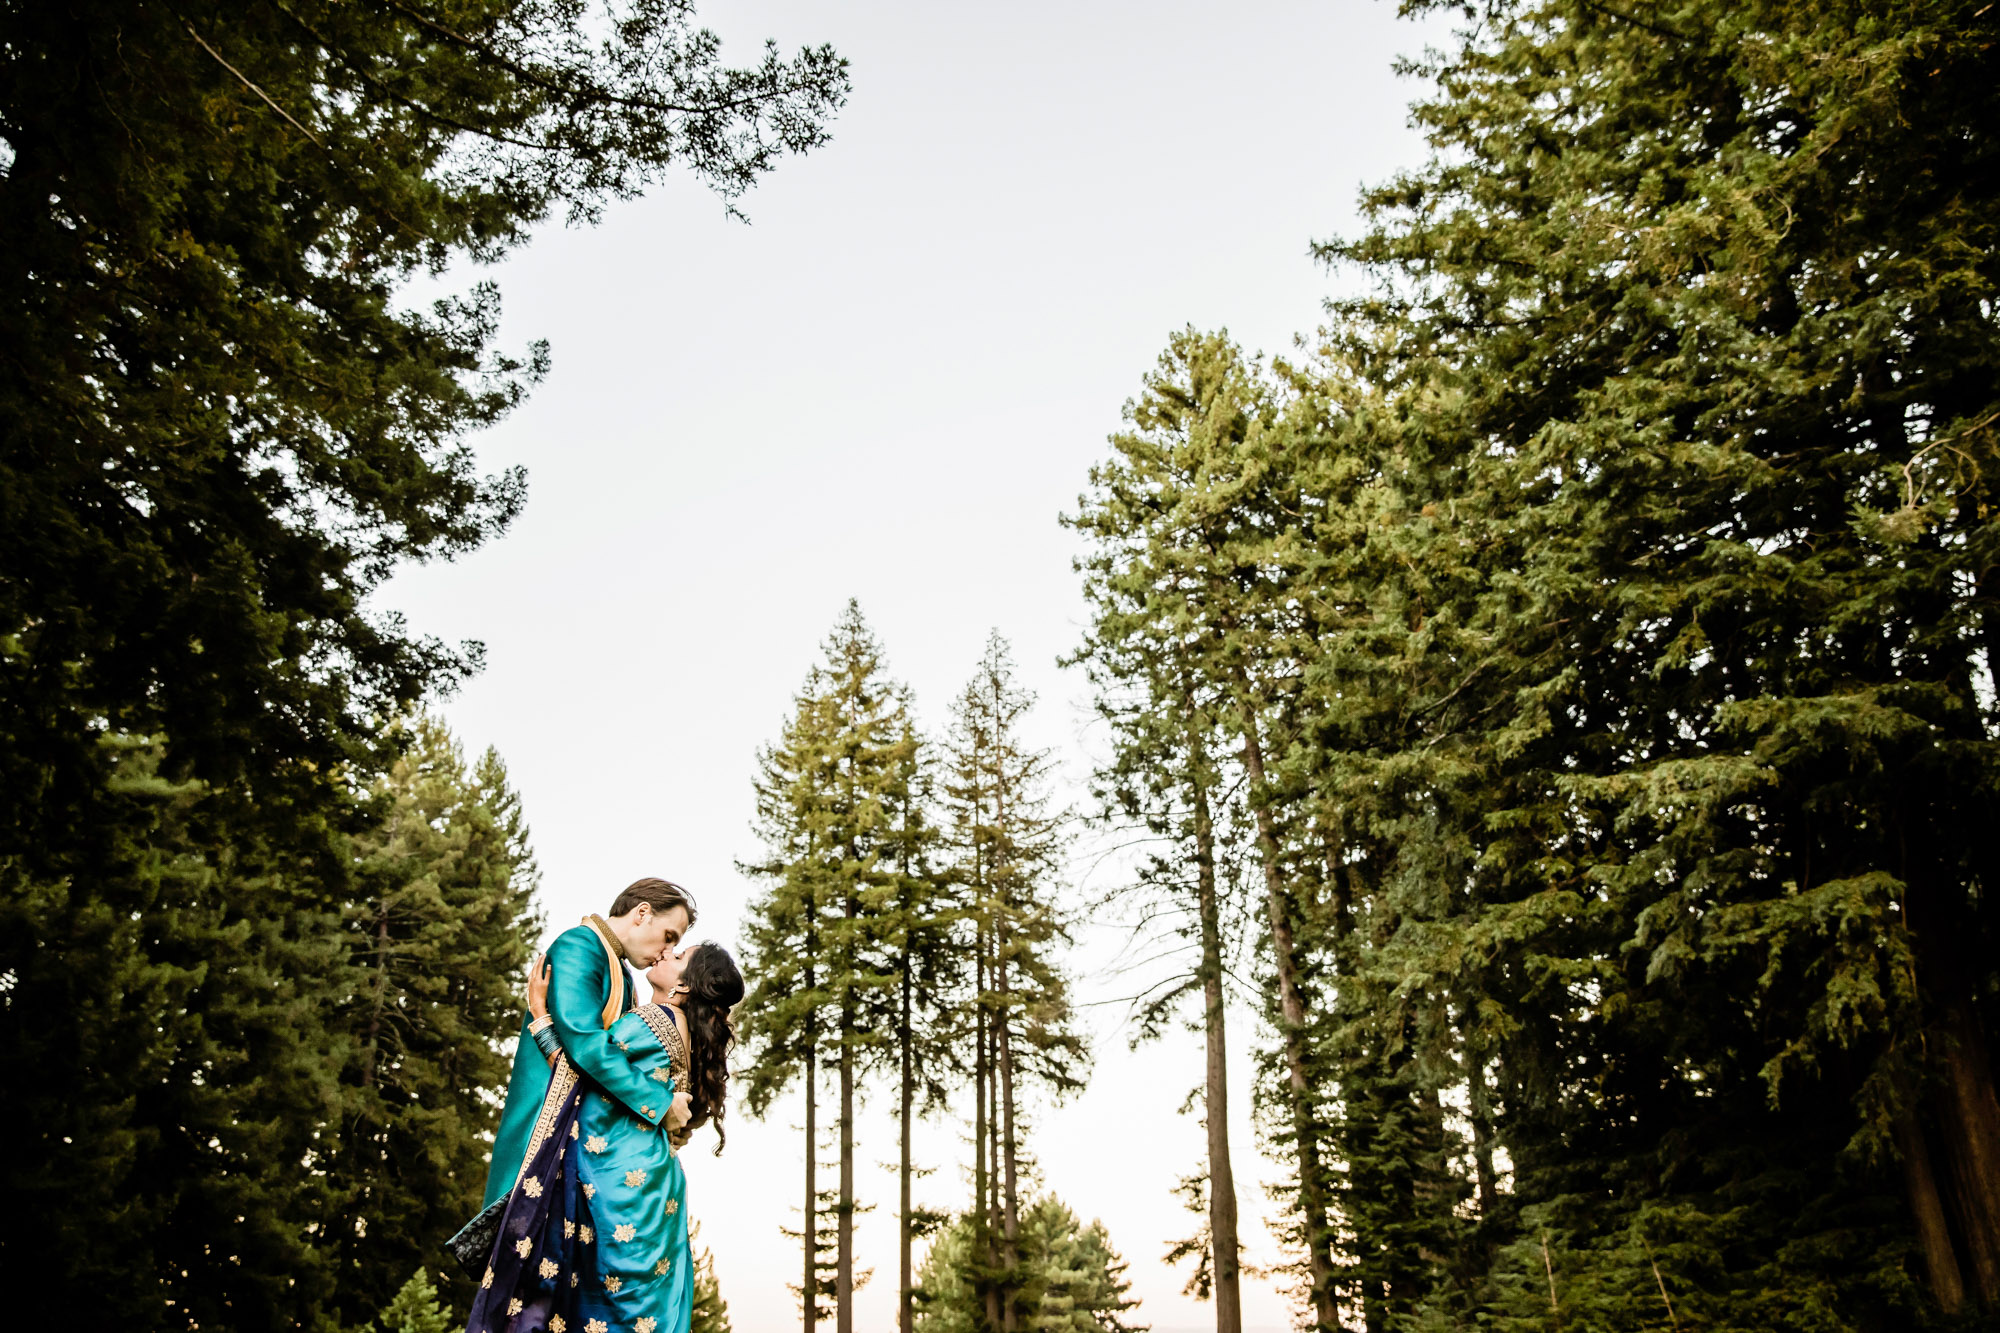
x: 584, y: 1229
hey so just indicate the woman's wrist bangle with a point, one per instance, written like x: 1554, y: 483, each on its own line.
x: 538, y: 1024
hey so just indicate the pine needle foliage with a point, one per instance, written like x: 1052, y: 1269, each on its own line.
x: 1072, y: 1280
x: 833, y: 807
x: 1602, y: 617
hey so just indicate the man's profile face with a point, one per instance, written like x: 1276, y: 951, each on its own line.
x: 650, y: 938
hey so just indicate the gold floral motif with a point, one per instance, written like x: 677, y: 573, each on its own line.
x: 624, y: 1046
x: 596, y: 1326
x: 523, y: 1247
x: 612, y: 1284
x: 584, y: 1234
x: 532, y: 1188
x: 487, y: 1281
x: 556, y: 1324
x: 549, y: 1268
x: 596, y: 1143
x: 569, y: 1228
x: 645, y: 1325
x: 634, y: 1179
x: 662, y: 1075
x: 590, y: 1191
x: 661, y: 1268
x: 673, y: 1206
x: 514, y: 1306
x: 574, y: 1130
x: 572, y: 1279
x: 624, y: 1231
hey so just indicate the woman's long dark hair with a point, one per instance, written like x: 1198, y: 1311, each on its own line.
x: 714, y: 988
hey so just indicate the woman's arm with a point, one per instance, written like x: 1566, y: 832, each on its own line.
x: 542, y: 1027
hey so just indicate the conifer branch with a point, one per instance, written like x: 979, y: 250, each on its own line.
x: 245, y: 79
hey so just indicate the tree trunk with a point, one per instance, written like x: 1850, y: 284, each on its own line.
x: 381, y: 995
x: 843, y: 1282
x: 1291, y: 1006
x: 843, y: 1278
x: 905, y: 1279
x: 1927, y: 1208
x: 1011, y: 1216
x: 981, y: 1176
x: 1959, y: 1118
x: 810, y: 1289
x: 1224, y: 1252
x: 1966, y: 1119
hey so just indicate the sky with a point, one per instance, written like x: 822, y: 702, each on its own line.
x: 888, y: 386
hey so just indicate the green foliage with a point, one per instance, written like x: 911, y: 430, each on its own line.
x: 1072, y: 1280
x: 1602, y: 621
x: 830, y: 799
x: 438, y: 934
x: 220, y: 429
x: 212, y: 1139
x: 711, y: 1312
x: 415, y: 1309
x: 825, y: 940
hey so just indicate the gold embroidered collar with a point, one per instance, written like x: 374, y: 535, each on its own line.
x: 610, y: 938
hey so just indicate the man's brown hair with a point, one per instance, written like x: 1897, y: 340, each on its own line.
x: 662, y: 894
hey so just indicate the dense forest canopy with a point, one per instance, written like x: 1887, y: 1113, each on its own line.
x: 259, y: 930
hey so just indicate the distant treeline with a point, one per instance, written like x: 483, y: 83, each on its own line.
x: 1578, y: 667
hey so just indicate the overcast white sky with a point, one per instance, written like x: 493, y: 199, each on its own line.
x: 888, y: 387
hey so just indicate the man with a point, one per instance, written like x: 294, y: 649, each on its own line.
x: 590, y: 986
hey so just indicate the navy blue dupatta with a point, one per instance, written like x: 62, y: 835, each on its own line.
x: 530, y: 1282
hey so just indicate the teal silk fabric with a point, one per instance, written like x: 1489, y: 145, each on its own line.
x: 635, y: 1272
x: 579, y: 986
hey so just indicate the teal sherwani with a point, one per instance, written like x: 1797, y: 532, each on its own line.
x: 582, y: 982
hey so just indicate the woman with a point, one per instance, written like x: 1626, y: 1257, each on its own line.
x: 596, y: 1240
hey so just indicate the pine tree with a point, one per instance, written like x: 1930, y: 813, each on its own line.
x: 711, y: 1312
x: 831, y: 799
x: 1194, y: 657
x: 1008, y: 848
x: 439, y: 932
x: 923, y: 943
x: 1071, y: 1279
x: 415, y: 1308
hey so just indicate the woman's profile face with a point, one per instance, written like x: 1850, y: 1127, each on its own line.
x: 666, y: 974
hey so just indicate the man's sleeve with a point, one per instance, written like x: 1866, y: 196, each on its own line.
x: 579, y: 982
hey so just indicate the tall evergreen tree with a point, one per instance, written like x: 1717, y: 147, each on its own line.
x: 439, y: 932
x: 1007, y: 847
x: 1195, y: 658
x: 923, y: 942
x: 832, y: 807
